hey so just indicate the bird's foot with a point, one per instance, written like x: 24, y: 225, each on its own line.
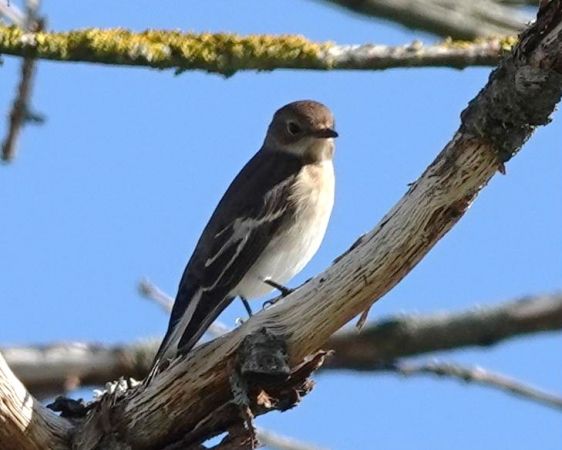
x: 271, y: 302
x: 284, y: 290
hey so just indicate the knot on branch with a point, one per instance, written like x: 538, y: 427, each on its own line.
x: 262, y: 380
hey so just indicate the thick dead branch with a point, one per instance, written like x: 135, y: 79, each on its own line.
x: 48, y: 370
x: 454, y: 18
x: 193, y: 398
x: 476, y: 375
x: 229, y: 53
x: 24, y: 423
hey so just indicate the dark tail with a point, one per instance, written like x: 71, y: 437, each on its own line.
x: 193, y: 313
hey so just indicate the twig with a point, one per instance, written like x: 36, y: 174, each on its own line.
x: 477, y: 375
x: 20, y: 112
x: 229, y: 53
x: 149, y: 290
x: 454, y: 18
x: 12, y: 13
x: 280, y: 442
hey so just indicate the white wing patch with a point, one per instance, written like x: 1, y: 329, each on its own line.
x: 241, y: 230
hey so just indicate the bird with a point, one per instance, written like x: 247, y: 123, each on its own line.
x: 268, y: 225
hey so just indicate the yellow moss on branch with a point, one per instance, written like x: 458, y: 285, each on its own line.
x: 228, y: 53
x: 505, y: 43
x: 217, y: 52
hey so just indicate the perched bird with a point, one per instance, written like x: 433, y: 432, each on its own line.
x: 266, y: 228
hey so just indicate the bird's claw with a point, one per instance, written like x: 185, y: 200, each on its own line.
x: 284, y: 290
x: 271, y: 302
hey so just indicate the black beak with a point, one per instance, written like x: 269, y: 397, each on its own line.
x: 325, y: 133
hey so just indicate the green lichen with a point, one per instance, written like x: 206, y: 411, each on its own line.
x: 505, y: 43
x: 212, y: 52
x: 457, y: 43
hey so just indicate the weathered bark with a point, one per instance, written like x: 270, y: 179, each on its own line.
x: 193, y: 399
x: 25, y: 424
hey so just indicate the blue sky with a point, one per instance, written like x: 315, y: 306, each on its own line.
x: 123, y: 176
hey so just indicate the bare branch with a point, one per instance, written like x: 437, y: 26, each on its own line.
x: 26, y: 424
x: 411, y: 334
x: 20, y: 111
x: 476, y: 375
x: 229, y: 53
x: 454, y: 18
x: 48, y: 370
x: 12, y: 13
x: 149, y: 290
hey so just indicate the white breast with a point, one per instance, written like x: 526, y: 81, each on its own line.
x: 291, y: 249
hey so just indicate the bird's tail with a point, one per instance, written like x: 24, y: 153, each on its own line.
x: 194, y: 311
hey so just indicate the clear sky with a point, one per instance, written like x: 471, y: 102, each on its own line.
x: 123, y: 176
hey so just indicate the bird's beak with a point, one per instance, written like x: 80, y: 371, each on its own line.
x: 325, y: 133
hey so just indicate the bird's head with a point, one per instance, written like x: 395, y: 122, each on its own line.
x: 303, y: 128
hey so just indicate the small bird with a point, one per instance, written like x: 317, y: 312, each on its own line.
x: 266, y: 228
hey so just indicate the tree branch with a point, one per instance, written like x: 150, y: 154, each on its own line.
x: 25, y: 423
x: 20, y: 112
x: 476, y: 375
x: 48, y: 370
x: 454, y: 18
x: 229, y: 53
x: 12, y: 13
x: 410, y: 334
x: 207, y: 392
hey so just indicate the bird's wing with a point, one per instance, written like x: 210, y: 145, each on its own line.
x: 251, y: 211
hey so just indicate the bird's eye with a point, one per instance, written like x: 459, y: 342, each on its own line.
x: 293, y: 128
